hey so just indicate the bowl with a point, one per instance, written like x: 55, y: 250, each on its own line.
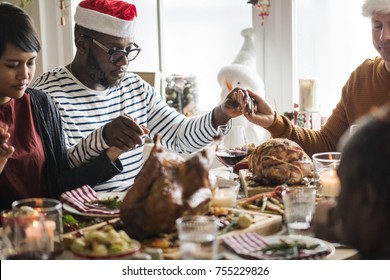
x: 115, y: 256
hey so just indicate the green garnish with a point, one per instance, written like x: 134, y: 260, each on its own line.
x: 111, y: 202
x: 288, y: 248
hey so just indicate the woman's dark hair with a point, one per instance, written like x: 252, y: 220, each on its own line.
x: 17, y: 28
x: 365, y: 159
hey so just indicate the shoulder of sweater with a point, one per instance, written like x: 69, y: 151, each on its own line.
x: 370, y: 68
x: 371, y: 64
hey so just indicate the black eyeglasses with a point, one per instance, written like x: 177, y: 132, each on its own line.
x: 116, y: 55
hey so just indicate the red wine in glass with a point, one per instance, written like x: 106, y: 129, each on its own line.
x: 35, y: 255
x: 231, y: 157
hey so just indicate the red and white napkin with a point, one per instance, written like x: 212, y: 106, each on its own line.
x: 79, y: 199
x: 248, y: 246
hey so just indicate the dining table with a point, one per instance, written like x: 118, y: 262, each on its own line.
x: 267, y: 225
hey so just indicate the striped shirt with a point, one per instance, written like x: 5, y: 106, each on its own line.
x: 84, y: 112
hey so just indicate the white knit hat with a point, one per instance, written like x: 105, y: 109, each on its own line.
x: 379, y: 6
x: 112, y: 17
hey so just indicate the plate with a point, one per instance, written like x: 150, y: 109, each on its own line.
x: 123, y: 255
x: 74, y: 211
x: 324, y: 245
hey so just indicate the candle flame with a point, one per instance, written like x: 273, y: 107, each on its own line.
x: 35, y: 224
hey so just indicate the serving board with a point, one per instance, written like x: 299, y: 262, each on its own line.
x: 249, y: 186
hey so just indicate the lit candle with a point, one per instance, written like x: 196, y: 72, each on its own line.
x: 50, y: 227
x: 330, y: 183
x: 308, y: 98
x: 224, y: 198
x: 34, y: 234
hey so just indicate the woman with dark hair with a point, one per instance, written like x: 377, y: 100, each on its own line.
x: 33, y: 155
x: 360, y: 217
x: 364, y: 200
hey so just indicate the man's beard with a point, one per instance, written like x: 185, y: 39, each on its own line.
x: 96, y: 73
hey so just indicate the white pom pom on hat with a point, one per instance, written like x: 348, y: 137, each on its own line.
x: 378, y: 6
x: 112, y: 17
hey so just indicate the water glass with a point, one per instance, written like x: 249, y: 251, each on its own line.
x: 299, y: 206
x: 198, y: 237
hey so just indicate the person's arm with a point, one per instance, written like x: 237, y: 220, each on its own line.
x: 60, y: 177
x: 327, y: 222
x: 6, y: 150
x: 312, y: 141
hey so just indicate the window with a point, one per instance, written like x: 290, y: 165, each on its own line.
x: 197, y: 38
x: 332, y: 39
x: 200, y: 37
x: 325, y: 40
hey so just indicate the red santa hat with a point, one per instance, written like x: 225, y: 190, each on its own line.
x: 112, y: 17
x: 378, y: 6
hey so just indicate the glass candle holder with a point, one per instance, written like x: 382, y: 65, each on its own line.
x: 326, y: 179
x: 50, y: 214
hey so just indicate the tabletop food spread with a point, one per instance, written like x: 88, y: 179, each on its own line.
x: 124, y: 225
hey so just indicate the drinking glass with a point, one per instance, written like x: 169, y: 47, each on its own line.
x: 233, y: 146
x: 299, y: 205
x: 198, y: 237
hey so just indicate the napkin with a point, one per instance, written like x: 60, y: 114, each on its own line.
x: 79, y: 198
x: 248, y: 246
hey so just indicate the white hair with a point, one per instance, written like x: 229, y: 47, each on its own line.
x: 375, y: 6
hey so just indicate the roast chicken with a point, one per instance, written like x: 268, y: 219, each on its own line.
x: 280, y: 161
x: 166, y: 188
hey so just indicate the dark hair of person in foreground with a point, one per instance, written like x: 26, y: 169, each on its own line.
x: 364, y: 201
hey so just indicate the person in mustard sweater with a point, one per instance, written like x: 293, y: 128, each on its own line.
x: 367, y: 87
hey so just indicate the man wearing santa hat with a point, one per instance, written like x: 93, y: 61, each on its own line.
x: 367, y: 87
x: 96, y: 89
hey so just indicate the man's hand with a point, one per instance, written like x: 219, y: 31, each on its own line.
x: 124, y: 133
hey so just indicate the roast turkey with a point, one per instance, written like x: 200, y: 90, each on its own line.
x: 166, y: 188
x: 280, y: 161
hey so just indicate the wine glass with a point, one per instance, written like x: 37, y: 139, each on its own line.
x: 233, y: 146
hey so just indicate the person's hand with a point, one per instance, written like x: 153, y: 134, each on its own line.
x: 124, y: 133
x: 325, y: 223
x: 236, y: 103
x: 113, y: 153
x: 262, y: 114
x: 6, y: 150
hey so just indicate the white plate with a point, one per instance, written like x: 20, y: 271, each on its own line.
x: 74, y: 211
x: 324, y: 245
